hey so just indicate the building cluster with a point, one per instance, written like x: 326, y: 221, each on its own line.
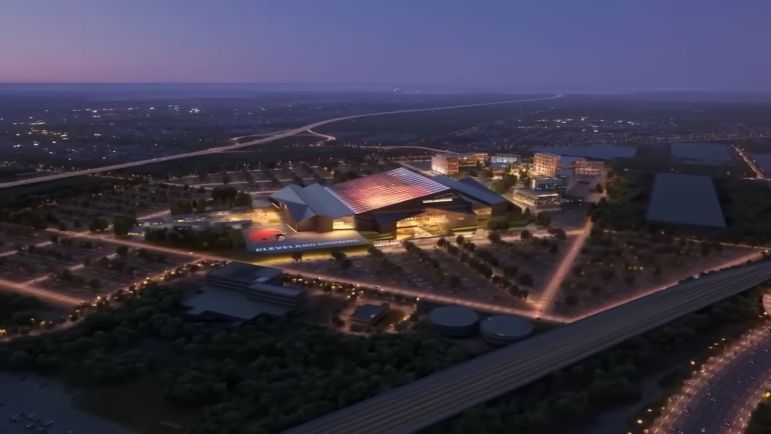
x: 554, y: 183
x: 194, y: 222
x: 450, y: 164
x: 550, y: 166
x: 384, y: 203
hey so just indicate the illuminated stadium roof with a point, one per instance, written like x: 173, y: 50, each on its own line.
x: 384, y: 189
x: 374, y: 192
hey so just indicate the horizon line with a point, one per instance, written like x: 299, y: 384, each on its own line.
x: 384, y: 85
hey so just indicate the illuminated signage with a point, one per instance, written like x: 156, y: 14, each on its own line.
x: 307, y: 245
x: 443, y: 199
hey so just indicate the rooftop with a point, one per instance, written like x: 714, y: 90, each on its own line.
x: 384, y: 189
x: 506, y: 326
x: 685, y: 199
x: 472, y: 189
x: 306, y: 202
x: 245, y: 274
x: 453, y: 316
x: 232, y: 304
x: 280, y: 291
x: 369, y: 312
x: 535, y: 193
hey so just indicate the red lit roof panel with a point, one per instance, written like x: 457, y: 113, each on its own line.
x: 384, y: 189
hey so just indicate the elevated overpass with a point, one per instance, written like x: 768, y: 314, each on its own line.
x: 439, y: 396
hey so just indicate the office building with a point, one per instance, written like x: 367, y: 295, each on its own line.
x: 585, y: 168
x: 450, y: 163
x: 545, y: 165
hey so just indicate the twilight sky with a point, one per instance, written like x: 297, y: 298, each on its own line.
x: 516, y: 45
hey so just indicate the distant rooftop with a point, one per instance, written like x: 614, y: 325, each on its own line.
x: 685, y: 199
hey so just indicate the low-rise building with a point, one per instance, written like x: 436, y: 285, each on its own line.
x: 243, y: 291
x: 536, y: 198
x: 367, y: 315
x: 240, y: 275
x: 504, y: 162
x: 549, y: 184
x: 584, y: 168
x: 450, y: 163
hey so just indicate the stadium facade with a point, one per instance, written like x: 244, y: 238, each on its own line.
x: 387, y: 201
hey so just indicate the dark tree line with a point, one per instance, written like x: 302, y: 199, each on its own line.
x: 266, y: 375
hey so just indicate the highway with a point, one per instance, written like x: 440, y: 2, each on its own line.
x: 722, y: 393
x: 277, y: 136
x: 434, y: 398
x: 759, y: 172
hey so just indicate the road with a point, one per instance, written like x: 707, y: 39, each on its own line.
x: 277, y: 136
x: 49, y: 295
x: 429, y: 400
x: 720, y: 396
x: 482, y: 306
x: 759, y: 173
x: 424, y: 295
x: 549, y: 294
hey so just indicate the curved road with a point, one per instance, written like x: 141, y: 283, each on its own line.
x: 720, y: 396
x: 434, y: 398
x: 272, y: 138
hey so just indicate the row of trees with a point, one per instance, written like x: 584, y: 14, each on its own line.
x: 509, y: 220
x: 203, y: 239
x: 222, y: 198
x: 342, y: 260
x: 467, y: 253
x: 761, y: 419
x: 450, y: 279
x: 17, y: 310
x: 385, y: 265
x: 267, y: 375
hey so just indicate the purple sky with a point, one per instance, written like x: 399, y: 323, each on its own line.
x: 510, y: 45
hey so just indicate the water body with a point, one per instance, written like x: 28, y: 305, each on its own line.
x: 48, y: 400
x: 715, y: 154
x: 598, y: 151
